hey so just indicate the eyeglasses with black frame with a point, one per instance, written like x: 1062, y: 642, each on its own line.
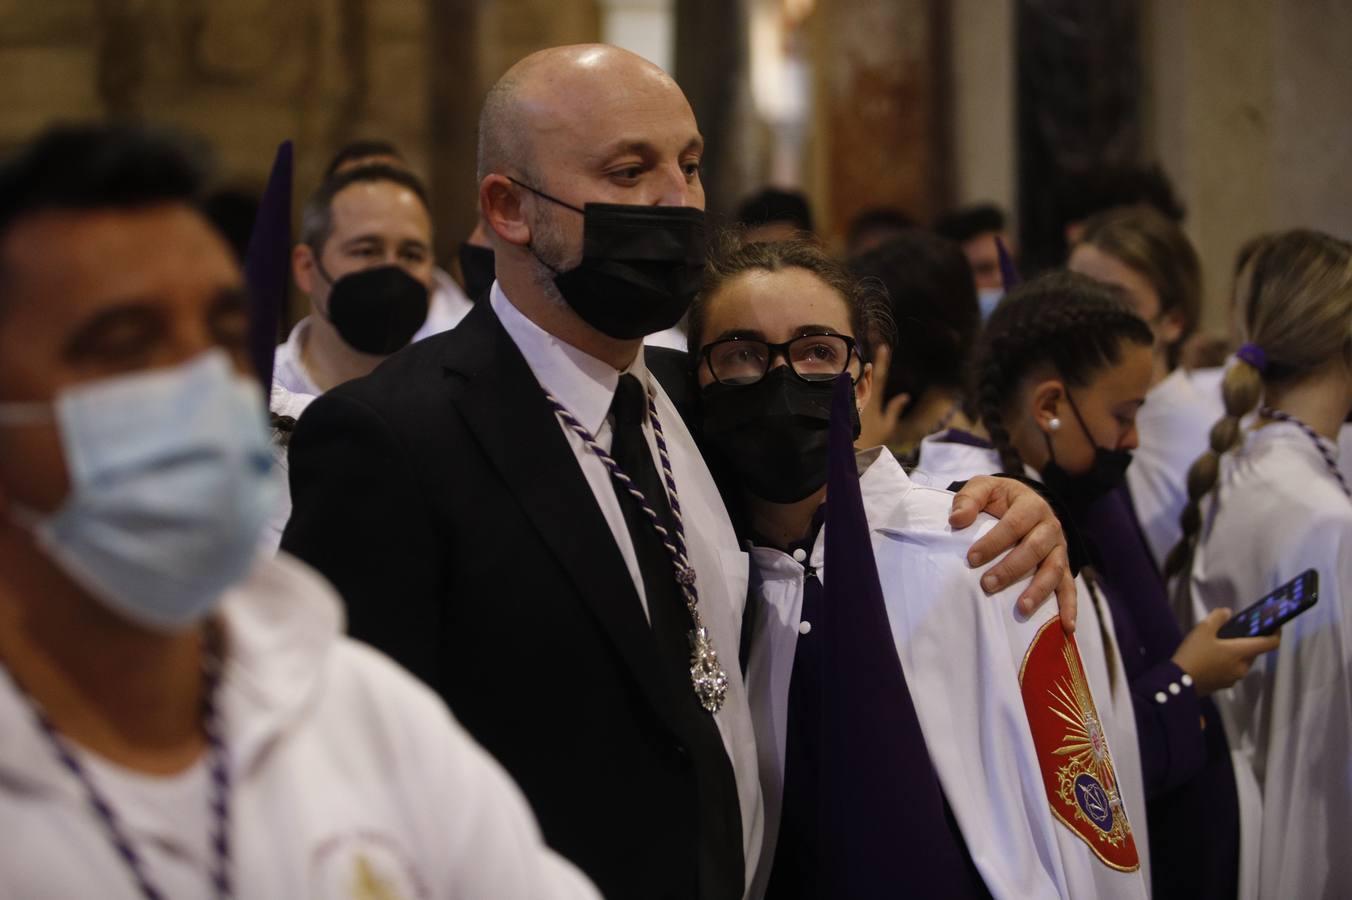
x: 812, y: 357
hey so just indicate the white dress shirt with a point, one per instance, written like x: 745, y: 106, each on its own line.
x: 585, y: 386
x: 674, y: 338
x: 961, y: 652
x: 349, y: 778
x: 1276, y: 512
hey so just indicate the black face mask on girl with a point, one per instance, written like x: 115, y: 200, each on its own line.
x: 1107, y: 473
x: 774, y: 432
x: 641, y: 266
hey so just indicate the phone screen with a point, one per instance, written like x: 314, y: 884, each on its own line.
x: 1276, y: 609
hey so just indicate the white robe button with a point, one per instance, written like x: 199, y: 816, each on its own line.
x: 1161, y: 697
x: 799, y: 555
x: 1174, y: 688
x: 804, y: 627
x: 1186, y: 679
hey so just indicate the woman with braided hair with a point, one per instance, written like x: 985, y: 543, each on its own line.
x: 1060, y: 373
x: 1266, y: 503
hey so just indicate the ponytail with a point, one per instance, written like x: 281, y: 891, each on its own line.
x: 1297, y: 310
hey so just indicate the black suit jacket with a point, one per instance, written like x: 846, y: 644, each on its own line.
x: 441, y: 498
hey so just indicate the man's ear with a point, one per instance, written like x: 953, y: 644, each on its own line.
x: 303, y: 268
x: 502, y: 212
x: 1045, y: 401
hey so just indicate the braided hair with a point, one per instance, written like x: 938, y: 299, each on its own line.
x: 1298, y: 310
x: 1071, y: 322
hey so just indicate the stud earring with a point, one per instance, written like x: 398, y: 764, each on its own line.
x: 1054, y: 424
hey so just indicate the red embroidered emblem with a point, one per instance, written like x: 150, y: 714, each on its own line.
x: 1072, y: 749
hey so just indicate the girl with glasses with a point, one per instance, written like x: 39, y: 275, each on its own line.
x: 773, y: 330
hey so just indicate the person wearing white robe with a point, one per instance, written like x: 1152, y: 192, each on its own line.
x: 1173, y: 427
x: 1276, y: 504
x: 1277, y: 512
x: 961, y: 652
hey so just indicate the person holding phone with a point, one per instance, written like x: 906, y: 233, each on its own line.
x: 1266, y: 503
x: 1059, y: 375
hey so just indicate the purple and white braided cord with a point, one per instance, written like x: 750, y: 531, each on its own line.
x: 1269, y: 412
x: 219, y: 801
x: 709, y: 679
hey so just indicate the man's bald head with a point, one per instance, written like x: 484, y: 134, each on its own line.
x: 542, y: 91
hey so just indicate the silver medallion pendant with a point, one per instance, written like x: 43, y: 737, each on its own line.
x: 711, y: 682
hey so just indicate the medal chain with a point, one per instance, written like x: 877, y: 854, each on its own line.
x: 709, y: 679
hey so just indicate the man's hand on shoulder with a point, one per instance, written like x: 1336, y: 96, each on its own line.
x: 1030, y: 531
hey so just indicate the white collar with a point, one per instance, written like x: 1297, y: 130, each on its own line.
x: 290, y: 364
x: 582, y: 383
x: 883, y: 484
x: 280, y: 624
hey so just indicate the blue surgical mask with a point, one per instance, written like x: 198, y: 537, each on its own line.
x: 987, y: 299
x: 171, y: 483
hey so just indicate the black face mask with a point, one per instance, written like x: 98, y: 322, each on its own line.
x: 773, y: 433
x: 1107, y: 473
x: 477, y: 265
x: 641, y: 266
x: 378, y: 310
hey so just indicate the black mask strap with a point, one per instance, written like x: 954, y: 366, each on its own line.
x: 552, y: 199
x: 1083, y: 427
x: 319, y: 267
x: 539, y: 193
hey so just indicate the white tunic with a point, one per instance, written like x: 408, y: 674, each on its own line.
x: 349, y: 779
x: 1278, y: 511
x: 944, y: 462
x: 962, y: 653
x: 1173, y: 427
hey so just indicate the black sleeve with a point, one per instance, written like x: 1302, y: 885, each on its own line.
x: 1076, y: 548
x: 359, y: 517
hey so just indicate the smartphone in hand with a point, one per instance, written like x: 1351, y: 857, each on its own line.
x: 1276, y: 609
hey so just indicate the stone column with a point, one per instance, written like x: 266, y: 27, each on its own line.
x: 881, y: 133
x: 983, y: 104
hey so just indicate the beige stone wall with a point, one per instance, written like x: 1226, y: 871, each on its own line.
x: 880, y: 138
x: 982, y: 103
x: 247, y: 74
x: 1248, y: 105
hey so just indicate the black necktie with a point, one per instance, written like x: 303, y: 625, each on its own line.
x: 720, y: 837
